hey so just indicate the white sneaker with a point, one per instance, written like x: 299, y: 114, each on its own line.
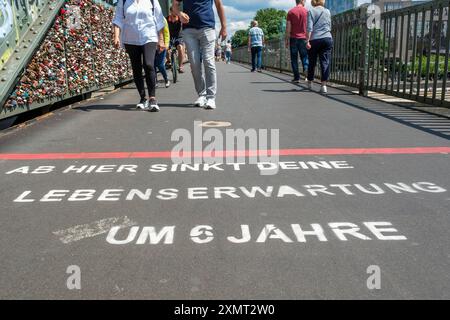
x: 142, y: 105
x: 200, y: 102
x: 323, y: 89
x: 167, y: 84
x: 210, y: 104
x: 310, y: 85
x: 153, y: 106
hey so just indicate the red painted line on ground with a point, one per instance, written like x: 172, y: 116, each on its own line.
x: 232, y: 153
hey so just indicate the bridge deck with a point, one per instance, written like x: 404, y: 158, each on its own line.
x: 380, y: 170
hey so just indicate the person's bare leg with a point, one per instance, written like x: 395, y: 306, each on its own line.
x: 180, y: 49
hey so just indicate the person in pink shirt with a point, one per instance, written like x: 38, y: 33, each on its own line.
x: 297, y: 19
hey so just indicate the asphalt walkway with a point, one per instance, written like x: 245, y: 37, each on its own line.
x: 360, y: 185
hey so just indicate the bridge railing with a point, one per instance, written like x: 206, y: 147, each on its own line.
x: 402, y: 53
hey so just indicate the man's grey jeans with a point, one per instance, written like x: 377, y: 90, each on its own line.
x: 200, y: 44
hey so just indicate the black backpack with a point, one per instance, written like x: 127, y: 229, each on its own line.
x: 123, y: 7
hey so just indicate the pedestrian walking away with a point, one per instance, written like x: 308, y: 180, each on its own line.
x: 319, y: 42
x: 199, y: 36
x: 138, y: 27
x: 255, y: 45
x: 296, y: 24
x: 175, y: 27
x: 160, y: 58
x: 218, y: 52
x: 228, y: 51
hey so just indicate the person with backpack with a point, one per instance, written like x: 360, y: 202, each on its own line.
x: 138, y: 27
x: 319, y: 42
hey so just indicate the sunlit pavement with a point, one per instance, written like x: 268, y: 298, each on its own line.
x: 361, y: 186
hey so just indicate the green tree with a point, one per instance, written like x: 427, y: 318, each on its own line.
x: 270, y: 20
x: 378, y: 45
x: 239, y: 38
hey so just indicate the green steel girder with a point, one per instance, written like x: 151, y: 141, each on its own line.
x: 23, y: 52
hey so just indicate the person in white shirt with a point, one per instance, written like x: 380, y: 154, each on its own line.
x: 228, y: 51
x: 138, y: 27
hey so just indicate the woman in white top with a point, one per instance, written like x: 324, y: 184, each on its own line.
x: 138, y: 27
x: 228, y: 52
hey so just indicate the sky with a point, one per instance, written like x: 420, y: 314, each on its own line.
x: 239, y: 13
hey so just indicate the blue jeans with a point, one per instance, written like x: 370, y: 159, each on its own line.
x: 298, y: 46
x: 160, y: 63
x: 228, y: 56
x: 200, y: 45
x: 322, y: 49
x: 256, y: 58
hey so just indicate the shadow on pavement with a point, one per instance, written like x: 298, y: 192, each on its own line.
x: 177, y: 105
x: 124, y: 107
x: 266, y: 82
x: 433, y: 124
x: 418, y: 119
x: 239, y: 71
x: 129, y: 107
x: 284, y: 91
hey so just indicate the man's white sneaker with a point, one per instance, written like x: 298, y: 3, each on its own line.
x: 142, y: 105
x: 210, y: 104
x: 323, y: 89
x: 153, y: 106
x: 167, y: 84
x: 200, y: 102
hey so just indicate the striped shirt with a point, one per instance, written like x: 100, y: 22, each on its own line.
x: 256, y: 37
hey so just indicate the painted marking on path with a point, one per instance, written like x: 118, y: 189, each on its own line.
x: 93, y: 229
x: 225, y: 153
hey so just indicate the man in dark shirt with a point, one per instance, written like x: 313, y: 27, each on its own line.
x: 199, y: 35
x: 297, y: 19
x: 175, y: 26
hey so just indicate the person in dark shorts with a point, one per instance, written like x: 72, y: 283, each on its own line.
x: 175, y: 27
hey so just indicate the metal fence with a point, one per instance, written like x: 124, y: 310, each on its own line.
x: 16, y: 16
x: 402, y: 53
